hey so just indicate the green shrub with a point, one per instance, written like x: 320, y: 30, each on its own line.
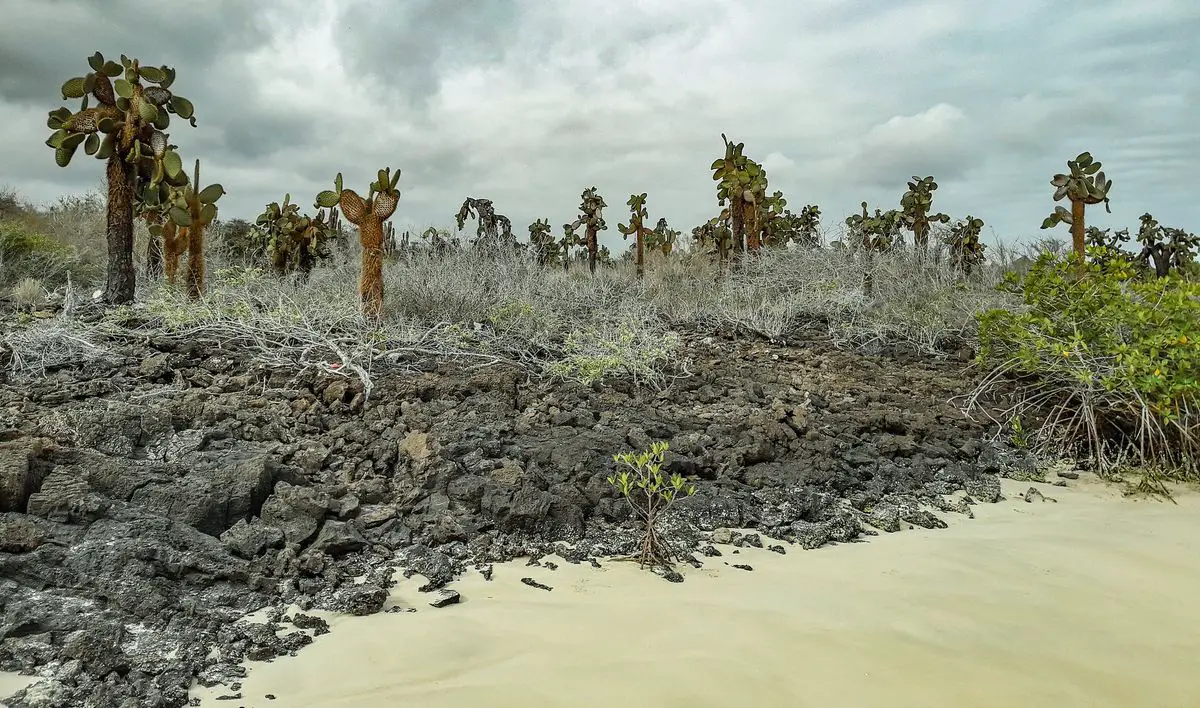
x: 29, y: 253
x: 649, y: 492
x: 1111, y: 359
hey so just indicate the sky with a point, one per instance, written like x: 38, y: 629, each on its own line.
x: 528, y: 102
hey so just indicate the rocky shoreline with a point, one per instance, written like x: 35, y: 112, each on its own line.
x: 149, y: 500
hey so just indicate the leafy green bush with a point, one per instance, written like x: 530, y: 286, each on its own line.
x: 649, y: 492
x: 1111, y: 359
x: 28, y: 253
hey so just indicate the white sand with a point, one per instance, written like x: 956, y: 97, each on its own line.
x: 1092, y: 601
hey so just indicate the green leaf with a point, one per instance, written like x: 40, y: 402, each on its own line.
x: 123, y: 88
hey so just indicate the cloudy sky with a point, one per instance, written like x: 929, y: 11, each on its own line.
x: 527, y: 102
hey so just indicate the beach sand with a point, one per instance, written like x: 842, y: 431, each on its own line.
x: 1091, y: 601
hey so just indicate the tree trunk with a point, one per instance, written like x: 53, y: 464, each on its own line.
x: 370, y: 282
x: 122, y: 280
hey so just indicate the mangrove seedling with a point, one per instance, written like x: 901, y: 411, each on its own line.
x: 914, y: 211
x: 966, y: 251
x: 649, y: 492
x: 742, y: 184
x: 1084, y: 184
x: 591, y: 206
x: 126, y: 130
x: 368, y: 214
x: 638, y: 229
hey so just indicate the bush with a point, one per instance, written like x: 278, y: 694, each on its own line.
x: 1109, y: 358
x: 28, y: 253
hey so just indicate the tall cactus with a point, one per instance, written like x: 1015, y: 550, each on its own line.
x: 808, y: 226
x: 591, y: 206
x: 663, y: 237
x: 492, y: 229
x: 125, y: 130
x: 742, y: 184
x: 194, y: 208
x: 637, y: 228
x: 368, y: 214
x: 1084, y: 184
x: 545, y: 246
x: 966, y: 250
x: 914, y: 211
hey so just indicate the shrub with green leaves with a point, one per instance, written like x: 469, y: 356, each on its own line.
x: 1109, y: 357
x: 650, y: 492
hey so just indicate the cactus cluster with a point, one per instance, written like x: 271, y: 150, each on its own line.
x: 1166, y: 249
x: 663, y: 237
x: 126, y: 129
x: 1084, y: 184
x: 741, y: 189
x: 192, y: 209
x: 492, y: 230
x: 638, y: 229
x: 966, y: 251
x: 591, y: 207
x: 914, y: 214
x: 368, y: 214
x: 546, y: 248
x: 295, y: 241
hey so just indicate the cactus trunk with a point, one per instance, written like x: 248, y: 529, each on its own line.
x: 641, y: 254
x: 370, y: 283
x: 1077, y: 227
x: 195, y: 270
x: 173, y: 238
x: 121, y: 283
x: 593, y: 247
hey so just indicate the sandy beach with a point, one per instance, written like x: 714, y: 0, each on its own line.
x: 1089, y: 601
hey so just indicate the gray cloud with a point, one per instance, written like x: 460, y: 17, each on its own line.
x: 527, y: 103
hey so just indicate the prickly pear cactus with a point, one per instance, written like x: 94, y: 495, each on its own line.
x: 545, y: 246
x: 663, y: 237
x: 638, y: 229
x: 1166, y: 249
x: 1083, y: 184
x: 914, y: 214
x: 368, y: 214
x: 591, y: 206
x: 125, y: 128
x: 966, y: 250
x: 295, y: 241
x: 194, y: 208
x: 742, y: 184
x: 492, y: 230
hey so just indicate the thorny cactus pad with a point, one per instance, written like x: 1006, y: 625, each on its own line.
x: 1083, y: 184
x: 126, y: 130
x: 638, y: 229
x: 368, y: 214
x: 545, y: 246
